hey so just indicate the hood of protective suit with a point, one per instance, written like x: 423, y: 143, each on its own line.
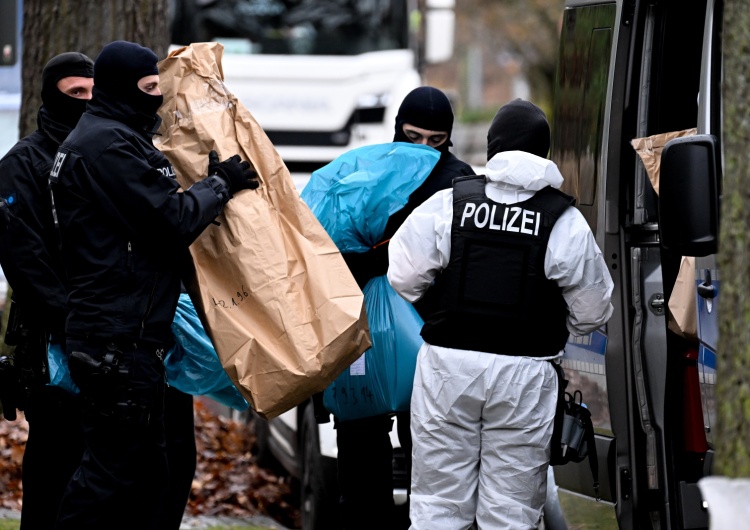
x: 514, y: 176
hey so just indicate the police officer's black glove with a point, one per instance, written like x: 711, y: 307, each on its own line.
x: 365, y: 266
x: 213, y: 163
x: 235, y: 172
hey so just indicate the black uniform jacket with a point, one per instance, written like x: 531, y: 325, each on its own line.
x: 29, y: 253
x: 126, y: 225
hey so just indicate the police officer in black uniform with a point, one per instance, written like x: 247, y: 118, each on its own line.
x: 29, y: 256
x: 365, y: 453
x: 126, y: 228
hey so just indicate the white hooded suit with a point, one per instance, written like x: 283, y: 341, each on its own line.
x: 482, y: 422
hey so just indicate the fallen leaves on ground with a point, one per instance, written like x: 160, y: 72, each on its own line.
x: 13, y: 435
x: 227, y: 480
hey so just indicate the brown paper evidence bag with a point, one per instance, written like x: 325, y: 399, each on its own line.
x: 274, y: 294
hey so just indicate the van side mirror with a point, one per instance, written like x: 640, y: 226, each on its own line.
x: 689, y: 195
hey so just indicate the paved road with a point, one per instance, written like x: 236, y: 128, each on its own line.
x: 201, y: 522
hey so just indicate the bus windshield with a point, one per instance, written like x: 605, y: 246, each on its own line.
x: 301, y: 27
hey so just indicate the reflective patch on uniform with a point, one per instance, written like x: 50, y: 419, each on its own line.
x: 57, y: 164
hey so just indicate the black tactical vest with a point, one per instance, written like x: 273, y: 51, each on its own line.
x: 493, y: 296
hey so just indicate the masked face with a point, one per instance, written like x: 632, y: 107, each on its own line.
x: 68, y: 100
x: 417, y: 135
x: 67, y: 81
x: 150, y: 85
x: 127, y: 72
x: 76, y: 87
x: 151, y: 99
x: 427, y: 113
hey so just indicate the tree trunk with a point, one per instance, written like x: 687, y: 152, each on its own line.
x: 55, y: 26
x: 733, y: 364
x: 51, y: 27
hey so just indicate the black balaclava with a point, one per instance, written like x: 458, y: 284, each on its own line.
x: 61, y: 107
x: 427, y: 108
x: 117, y: 70
x: 519, y: 126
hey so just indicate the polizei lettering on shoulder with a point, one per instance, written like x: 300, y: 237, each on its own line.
x: 502, y: 217
x: 168, y: 171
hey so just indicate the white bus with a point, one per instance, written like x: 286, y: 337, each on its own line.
x: 320, y: 77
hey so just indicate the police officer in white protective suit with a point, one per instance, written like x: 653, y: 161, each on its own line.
x: 510, y: 268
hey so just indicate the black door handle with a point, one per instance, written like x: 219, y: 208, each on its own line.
x: 707, y: 289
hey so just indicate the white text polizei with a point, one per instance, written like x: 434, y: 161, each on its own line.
x: 515, y: 218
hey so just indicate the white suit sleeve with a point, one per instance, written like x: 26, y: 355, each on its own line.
x: 421, y: 247
x: 574, y: 261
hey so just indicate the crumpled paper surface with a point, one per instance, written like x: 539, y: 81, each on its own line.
x: 274, y: 294
x: 649, y: 149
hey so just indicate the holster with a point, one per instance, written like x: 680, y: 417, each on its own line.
x: 96, y: 376
x: 10, y: 390
x: 27, y: 368
x: 105, y: 386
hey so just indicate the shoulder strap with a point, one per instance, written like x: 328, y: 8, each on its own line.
x: 593, y: 460
x: 468, y: 187
x: 556, y: 458
x: 553, y: 200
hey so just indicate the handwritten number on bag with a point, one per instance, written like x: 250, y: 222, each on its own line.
x: 366, y: 394
x: 240, y: 297
x: 222, y: 303
x: 342, y: 394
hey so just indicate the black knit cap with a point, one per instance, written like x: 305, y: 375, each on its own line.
x: 62, y: 107
x: 428, y: 108
x: 519, y: 126
x: 119, y: 67
x: 68, y: 64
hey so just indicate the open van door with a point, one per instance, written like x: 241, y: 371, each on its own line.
x: 633, y: 69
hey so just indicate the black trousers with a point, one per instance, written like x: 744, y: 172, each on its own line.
x: 365, y: 471
x: 122, y: 479
x: 53, y: 451
x: 55, y: 446
x: 179, y: 430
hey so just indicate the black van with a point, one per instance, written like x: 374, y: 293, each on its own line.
x: 632, y: 69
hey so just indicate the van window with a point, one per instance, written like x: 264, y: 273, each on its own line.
x: 675, y: 74
x: 583, y: 71
x: 670, y: 83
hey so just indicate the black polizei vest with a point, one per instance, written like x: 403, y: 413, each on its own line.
x: 494, y: 296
